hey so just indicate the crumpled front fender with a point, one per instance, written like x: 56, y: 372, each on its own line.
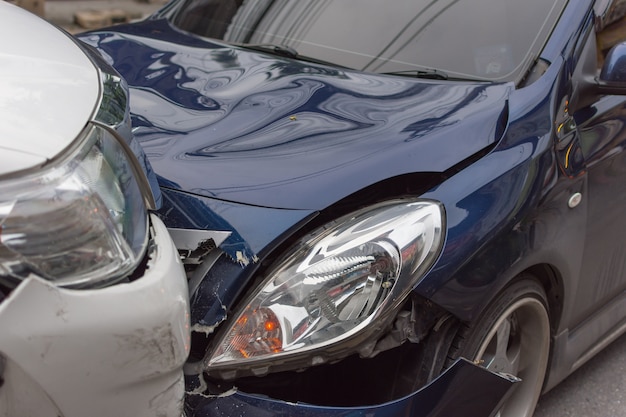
x: 465, y: 389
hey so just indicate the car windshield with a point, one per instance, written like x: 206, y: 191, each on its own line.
x: 478, y: 39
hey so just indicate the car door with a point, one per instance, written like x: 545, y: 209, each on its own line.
x: 601, y: 125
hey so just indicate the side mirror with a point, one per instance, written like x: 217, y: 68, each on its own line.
x: 612, y: 79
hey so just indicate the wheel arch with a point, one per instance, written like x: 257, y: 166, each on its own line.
x: 547, y: 275
x: 552, y: 283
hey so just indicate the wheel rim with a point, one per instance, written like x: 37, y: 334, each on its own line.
x: 518, y: 344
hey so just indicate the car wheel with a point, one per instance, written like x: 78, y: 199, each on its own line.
x: 512, y: 336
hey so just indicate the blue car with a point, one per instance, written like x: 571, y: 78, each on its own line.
x: 399, y: 208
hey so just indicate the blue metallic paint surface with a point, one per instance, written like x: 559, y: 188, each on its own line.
x: 213, y: 121
x: 216, y: 132
x: 219, y: 122
x: 496, y: 208
x: 268, y: 131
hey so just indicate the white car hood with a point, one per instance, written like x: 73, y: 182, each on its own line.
x: 48, y: 90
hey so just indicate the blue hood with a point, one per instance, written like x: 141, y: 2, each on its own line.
x: 251, y: 128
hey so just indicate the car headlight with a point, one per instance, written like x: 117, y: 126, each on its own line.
x: 338, y: 286
x: 80, y: 222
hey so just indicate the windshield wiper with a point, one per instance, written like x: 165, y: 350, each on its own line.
x: 280, y: 50
x: 285, y: 51
x: 431, y: 74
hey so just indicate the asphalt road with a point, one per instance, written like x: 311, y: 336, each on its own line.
x: 597, y: 389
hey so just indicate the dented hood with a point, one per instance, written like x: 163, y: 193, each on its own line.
x: 252, y: 128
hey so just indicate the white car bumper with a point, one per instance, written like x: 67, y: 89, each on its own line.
x: 116, y: 351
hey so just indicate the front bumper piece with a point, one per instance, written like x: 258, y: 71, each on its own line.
x: 464, y: 390
x: 116, y: 351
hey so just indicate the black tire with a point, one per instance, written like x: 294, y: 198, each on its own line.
x: 511, y: 336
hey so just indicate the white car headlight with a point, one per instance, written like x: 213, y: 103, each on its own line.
x: 340, y: 285
x: 80, y: 222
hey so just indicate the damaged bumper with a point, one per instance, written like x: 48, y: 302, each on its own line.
x: 116, y: 351
x: 464, y: 389
x: 347, y: 388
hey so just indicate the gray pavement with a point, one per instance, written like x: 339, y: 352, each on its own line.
x: 597, y: 389
x: 63, y: 12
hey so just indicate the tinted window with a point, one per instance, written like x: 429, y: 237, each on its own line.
x: 487, y: 39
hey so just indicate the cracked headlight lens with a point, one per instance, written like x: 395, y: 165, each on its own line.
x: 340, y: 285
x: 81, y: 222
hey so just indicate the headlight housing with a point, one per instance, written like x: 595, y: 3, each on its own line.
x: 80, y: 222
x: 340, y: 285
